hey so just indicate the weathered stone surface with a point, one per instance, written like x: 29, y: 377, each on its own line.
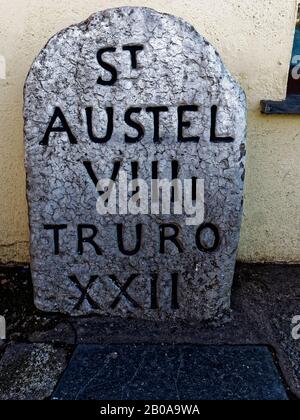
x: 176, y: 67
x: 171, y: 373
x: 30, y: 371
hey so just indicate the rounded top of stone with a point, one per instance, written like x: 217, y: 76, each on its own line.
x: 142, y: 24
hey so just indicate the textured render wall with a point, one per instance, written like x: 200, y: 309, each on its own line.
x: 254, y: 38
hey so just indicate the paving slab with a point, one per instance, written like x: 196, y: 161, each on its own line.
x: 170, y: 372
x: 30, y: 371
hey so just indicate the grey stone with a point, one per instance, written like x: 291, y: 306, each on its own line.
x: 181, y: 372
x: 30, y: 371
x: 177, y: 67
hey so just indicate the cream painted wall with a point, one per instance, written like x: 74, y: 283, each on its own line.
x: 254, y: 37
